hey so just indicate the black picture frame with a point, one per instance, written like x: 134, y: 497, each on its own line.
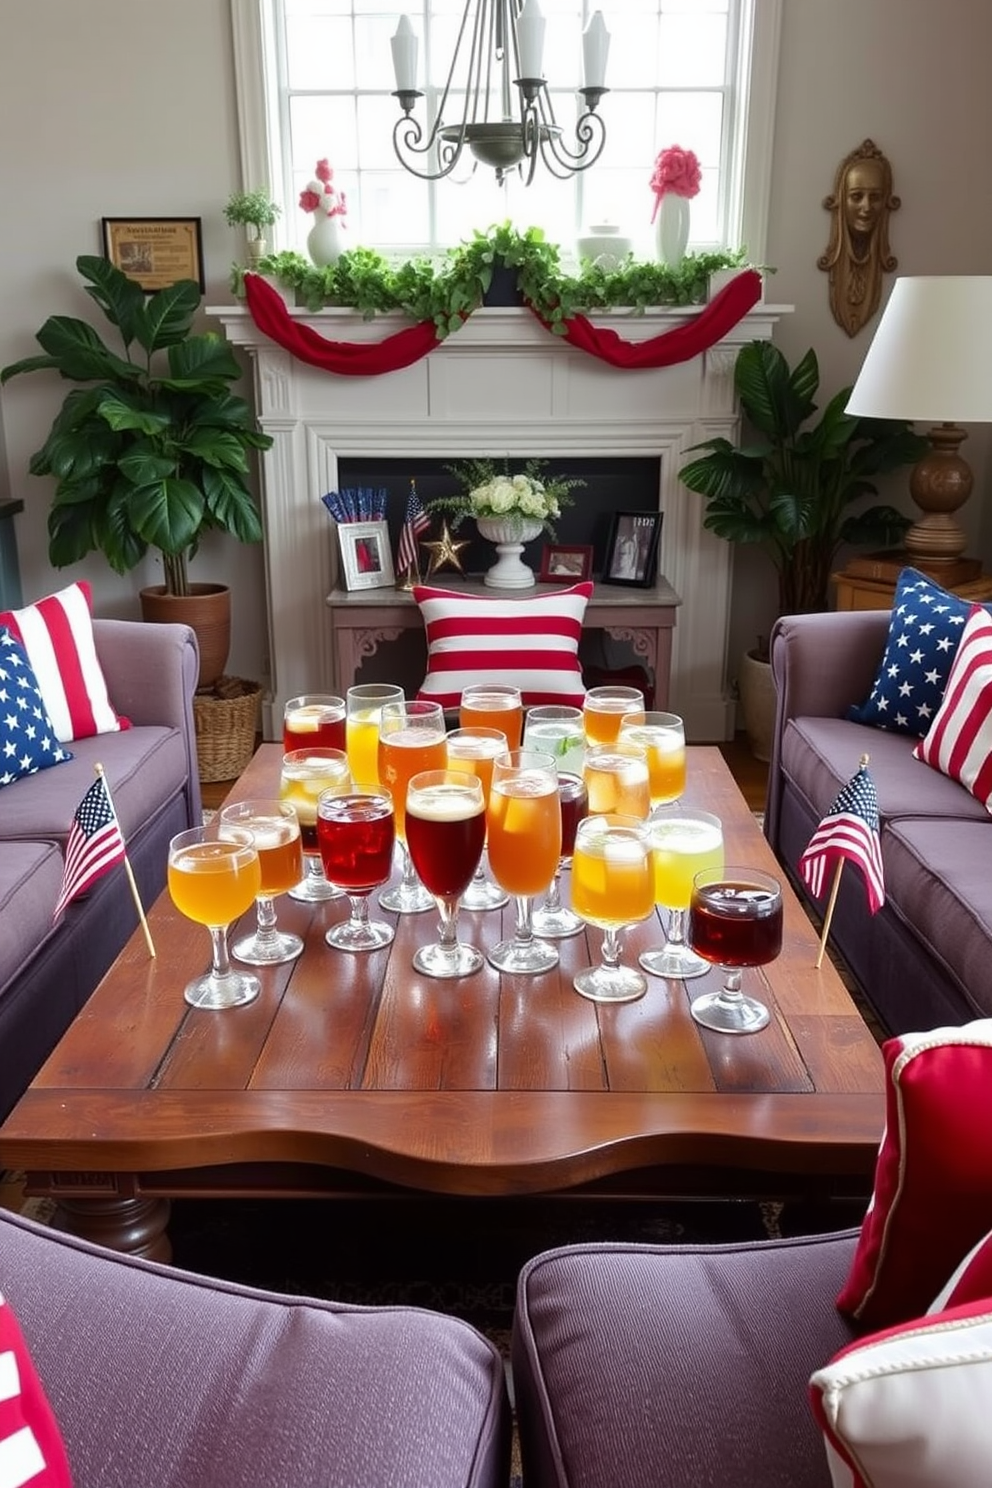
x: 632, y: 549
x: 155, y: 251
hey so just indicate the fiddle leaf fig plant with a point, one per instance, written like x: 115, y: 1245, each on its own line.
x: 152, y: 449
x: 791, y: 486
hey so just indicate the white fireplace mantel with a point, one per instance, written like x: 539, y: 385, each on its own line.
x: 500, y: 384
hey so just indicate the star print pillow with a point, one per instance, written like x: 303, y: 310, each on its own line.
x: 924, y: 634
x: 27, y: 738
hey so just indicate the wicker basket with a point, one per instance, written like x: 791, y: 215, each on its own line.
x: 226, y: 718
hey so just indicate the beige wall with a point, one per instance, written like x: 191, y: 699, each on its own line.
x: 127, y: 107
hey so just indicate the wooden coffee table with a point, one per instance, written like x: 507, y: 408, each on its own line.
x: 353, y: 1074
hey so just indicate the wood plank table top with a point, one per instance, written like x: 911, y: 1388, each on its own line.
x: 355, y: 1070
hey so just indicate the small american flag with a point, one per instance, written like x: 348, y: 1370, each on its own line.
x: 95, y: 844
x: 848, y: 831
x: 415, y: 522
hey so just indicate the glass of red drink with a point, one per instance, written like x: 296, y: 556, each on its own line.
x: 356, y: 833
x: 315, y: 720
x: 552, y: 918
x: 735, y: 921
x: 445, y: 832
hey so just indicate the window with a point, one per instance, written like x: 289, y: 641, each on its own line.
x: 315, y: 79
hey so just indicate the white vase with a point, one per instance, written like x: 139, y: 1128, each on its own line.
x: 324, y: 243
x: 671, y: 227
x: 509, y: 534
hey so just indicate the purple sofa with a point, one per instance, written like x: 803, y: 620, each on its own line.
x: 925, y: 960
x: 682, y: 1366
x: 47, y: 971
x: 156, y: 1376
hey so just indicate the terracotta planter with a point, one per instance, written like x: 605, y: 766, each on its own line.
x: 206, y: 610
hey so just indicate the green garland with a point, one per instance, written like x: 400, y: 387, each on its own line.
x: 450, y: 286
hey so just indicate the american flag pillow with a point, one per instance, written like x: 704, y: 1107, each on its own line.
x: 57, y: 634
x: 528, y: 643
x: 959, y: 740
x: 31, y: 1449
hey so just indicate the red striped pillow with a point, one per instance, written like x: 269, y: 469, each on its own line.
x: 57, y: 634
x: 528, y: 643
x: 958, y: 742
x: 31, y: 1449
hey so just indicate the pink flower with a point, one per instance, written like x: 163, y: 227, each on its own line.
x: 309, y: 200
x: 675, y: 170
x: 324, y: 172
x: 319, y: 195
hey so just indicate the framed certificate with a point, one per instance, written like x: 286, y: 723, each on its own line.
x: 155, y: 251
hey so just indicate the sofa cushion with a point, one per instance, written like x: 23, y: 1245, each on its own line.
x: 529, y: 643
x: 924, y: 632
x: 57, y: 634
x: 30, y: 877
x: 910, y: 1405
x: 145, y: 767
x: 932, y: 1196
x: 971, y: 1281
x: 27, y: 739
x: 959, y: 740
x: 31, y: 1448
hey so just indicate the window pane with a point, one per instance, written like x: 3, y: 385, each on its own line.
x: 319, y: 53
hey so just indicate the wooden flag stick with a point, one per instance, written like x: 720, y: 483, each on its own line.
x: 834, y: 887
x: 127, y: 869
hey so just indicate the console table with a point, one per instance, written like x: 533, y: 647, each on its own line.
x: 363, y: 619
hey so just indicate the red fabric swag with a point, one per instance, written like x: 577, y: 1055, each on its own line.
x: 363, y: 359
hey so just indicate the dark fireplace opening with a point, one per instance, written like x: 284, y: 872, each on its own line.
x: 612, y: 484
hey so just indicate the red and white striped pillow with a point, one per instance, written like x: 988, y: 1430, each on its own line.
x: 57, y: 634
x: 31, y: 1448
x: 958, y: 742
x: 528, y: 643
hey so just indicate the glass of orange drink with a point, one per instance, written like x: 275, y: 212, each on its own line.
x: 524, y: 834
x: 612, y: 886
x: 663, y: 736
x: 275, y: 829
x: 683, y: 843
x: 604, y: 707
x: 617, y: 779
x: 411, y: 739
x: 364, y: 703
x: 213, y: 880
x: 493, y: 705
x: 473, y: 749
x: 306, y: 774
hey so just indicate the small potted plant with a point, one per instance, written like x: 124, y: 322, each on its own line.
x: 254, y: 211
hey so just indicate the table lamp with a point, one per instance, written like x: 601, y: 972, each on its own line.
x: 931, y: 360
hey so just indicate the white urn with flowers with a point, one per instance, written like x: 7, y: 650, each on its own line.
x: 675, y: 181
x: 325, y: 243
x: 508, y: 510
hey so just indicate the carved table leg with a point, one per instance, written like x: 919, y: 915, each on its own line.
x: 134, y: 1226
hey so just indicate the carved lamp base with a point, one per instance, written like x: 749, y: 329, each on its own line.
x: 940, y: 485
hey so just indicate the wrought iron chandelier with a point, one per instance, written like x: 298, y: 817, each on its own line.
x: 503, y: 128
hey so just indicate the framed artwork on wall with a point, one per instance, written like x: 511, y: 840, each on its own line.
x: 366, y: 555
x: 632, y: 549
x: 155, y: 251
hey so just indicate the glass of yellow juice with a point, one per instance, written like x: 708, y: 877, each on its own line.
x: 364, y: 703
x: 305, y: 775
x: 524, y: 833
x: 275, y: 829
x: 612, y: 886
x: 663, y: 736
x: 604, y: 707
x: 473, y: 750
x: 683, y: 843
x: 411, y: 739
x: 213, y: 880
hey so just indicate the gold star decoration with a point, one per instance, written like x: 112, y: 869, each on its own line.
x: 445, y: 550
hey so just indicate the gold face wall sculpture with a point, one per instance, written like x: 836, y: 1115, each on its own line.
x: 858, y: 252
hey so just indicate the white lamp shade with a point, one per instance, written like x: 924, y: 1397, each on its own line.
x: 405, y: 47
x: 931, y: 356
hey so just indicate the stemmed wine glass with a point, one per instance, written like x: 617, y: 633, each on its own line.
x: 445, y: 830
x: 663, y: 736
x: 612, y: 886
x: 411, y: 739
x: 356, y: 832
x: 735, y: 920
x: 473, y: 749
x: 682, y: 845
x: 275, y: 830
x: 524, y: 825
x: 213, y: 881
x: 306, y: 773
x: 552, y: 918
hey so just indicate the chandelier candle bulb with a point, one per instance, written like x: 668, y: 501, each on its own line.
x: 530, y: 39
x: 405, y: 45
x: 595, y: 51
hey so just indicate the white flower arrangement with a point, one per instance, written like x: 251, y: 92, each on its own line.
x: 528, y: 495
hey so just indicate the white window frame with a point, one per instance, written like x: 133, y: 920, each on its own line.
x: 749, y: 154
